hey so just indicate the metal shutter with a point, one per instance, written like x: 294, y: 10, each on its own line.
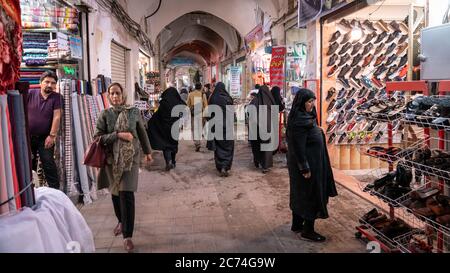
x: 118, y: 65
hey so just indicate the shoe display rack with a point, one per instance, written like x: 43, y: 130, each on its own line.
x: 360, y: 57
x: 417, y: 193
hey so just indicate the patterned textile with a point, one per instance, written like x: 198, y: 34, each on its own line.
x: 82, y: 172
x: 123, y: 152
x: 67, y: 139
x: 10, y: 43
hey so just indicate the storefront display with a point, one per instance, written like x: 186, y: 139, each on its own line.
x: 359, y: 57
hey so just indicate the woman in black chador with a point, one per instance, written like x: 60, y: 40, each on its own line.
x: 311, y: 177
x: 160, y: 127
x: 224, y: 149
x: 260, y: 157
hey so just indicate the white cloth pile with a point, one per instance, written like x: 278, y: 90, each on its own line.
x: 54, y: 225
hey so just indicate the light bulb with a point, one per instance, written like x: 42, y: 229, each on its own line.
x: 356, y: 33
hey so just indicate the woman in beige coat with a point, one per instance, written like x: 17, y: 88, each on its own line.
x: 121, y: 131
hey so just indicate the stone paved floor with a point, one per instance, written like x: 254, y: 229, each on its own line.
x: 192, y: 209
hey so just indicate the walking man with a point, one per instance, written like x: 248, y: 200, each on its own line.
x: 197, y: 103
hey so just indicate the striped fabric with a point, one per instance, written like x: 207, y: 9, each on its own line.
x: 67, y: 139
x: 82, y: 171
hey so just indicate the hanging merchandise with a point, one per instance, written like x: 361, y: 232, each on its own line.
x: 359, y: 57
x: 10, y: 44
x: 277, y: 66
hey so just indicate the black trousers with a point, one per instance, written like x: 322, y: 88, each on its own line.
x: 124, y: 210
x: 169, y: 156
x: 47, y: 159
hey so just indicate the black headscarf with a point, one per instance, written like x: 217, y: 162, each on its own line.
x: 265, y: 97
x: 276, y: 93
x: 220, y: 96
x: 298, y: 115
x: 160, y: 124
x: 184, y: 91
x: 171, y: 97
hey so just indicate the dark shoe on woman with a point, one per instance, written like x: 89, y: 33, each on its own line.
x: 118, y: 229
x: 128, y: 245
x: 264, y: 170
x: 169, y: 166
x: 313, y: 236
x: 224, y: 173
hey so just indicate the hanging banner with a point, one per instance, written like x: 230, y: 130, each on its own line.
x: 75, y: 47
x: 235, y: 81
x: 254, y: 38
x: 276, y: 66
x: 308, y: 10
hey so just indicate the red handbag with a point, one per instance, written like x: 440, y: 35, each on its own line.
x: 95, y: 155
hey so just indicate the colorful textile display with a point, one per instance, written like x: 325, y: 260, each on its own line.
x: 10, y: 43
x: 21, y: 146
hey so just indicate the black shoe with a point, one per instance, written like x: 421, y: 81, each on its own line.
x: 346, y: 47
x: 344, y: 71
x: 356, y: 60
x: 313, y: 236
x: 169, y: 167
x: 403, y: 61
x: 356, y: 48
x: 391, y: 71
x: 372, y: 94
x: 395, y: 26
x: 333, y: 59
x: 344, y: 60
x: 392, y: 36
x: 346, y: 38
x: 355, y: 71
x: 174, y: 163
x: 390, y: 48
x: 380, y: 70
x: 402, y: 39
x: 345, y: 23
x: 335, y: 36
x: 344, y: 82
x: 333, y: 47
x: 256, y: 164
x: 369, y: 25
x: 391, y: 59
x: 342, y: 137
x: 362, y: 92
x: 224, y: 173
x: 264, y: 170
x: 381, y: 37
x: 341, y: 117
x: 197, y: 149
x: 379, y: 47
x: 351, y: 93
x: 367, y: 49
x: 369, y: 37
x: 296, y: 229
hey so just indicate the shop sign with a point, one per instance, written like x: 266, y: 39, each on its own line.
x: 149, y: 88
x: 181, y: 61
x: 276, y: 66
x: 141, y: 105
x: 75, y: 47
x: 235, y: 81
x: 254, y: 38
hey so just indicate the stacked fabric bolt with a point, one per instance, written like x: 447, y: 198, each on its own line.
x: 31, y: 75
x: 35, y: 48
x: 48, y: 17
